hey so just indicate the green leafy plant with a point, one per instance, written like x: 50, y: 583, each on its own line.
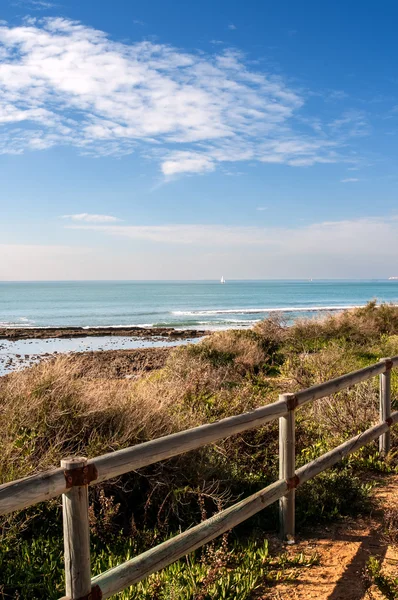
x: 385, y: 583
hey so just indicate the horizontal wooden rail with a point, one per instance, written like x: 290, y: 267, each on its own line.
x: 334, y: 456
x: 345, y: 381
x: 118, y: 578
x: 122, y: 461
x: 25, y: 492
x: 72, y: 482
x: 115, y: 580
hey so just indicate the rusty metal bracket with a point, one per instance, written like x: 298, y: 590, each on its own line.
x: 389, y: 364
x: 293, y: 482
x: 292, y: 402
x: 95, y: 594
x: 81, y: 476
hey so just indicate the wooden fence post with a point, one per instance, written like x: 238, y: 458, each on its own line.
x: 385, y: 407
x: 287, y: 465
x: 76, y: 530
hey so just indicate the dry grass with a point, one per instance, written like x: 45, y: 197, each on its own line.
x: 359, y: 326
x: 51, y: 410
x: 308, y: 368
x: 390, y: 525
x: 47, y: 412
x: 347, y: 413
x: 248, y: 349
x: 67, y: 406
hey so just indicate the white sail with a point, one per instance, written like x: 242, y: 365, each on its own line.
x: 222, y: 279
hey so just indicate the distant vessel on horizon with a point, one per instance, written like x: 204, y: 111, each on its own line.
x: 222, y: 280
x: 392, y: 278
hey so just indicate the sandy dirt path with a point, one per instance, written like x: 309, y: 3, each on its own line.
x: 343, y: 551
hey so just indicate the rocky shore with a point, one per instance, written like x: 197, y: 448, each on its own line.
x: 25, y: 333
x: 101, y: 352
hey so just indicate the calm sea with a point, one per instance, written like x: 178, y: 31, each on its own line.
x: 195, y: 304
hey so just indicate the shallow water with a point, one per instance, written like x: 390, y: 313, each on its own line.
x: 18, y: 354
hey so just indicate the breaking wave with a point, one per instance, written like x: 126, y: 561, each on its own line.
x: 256, y: 311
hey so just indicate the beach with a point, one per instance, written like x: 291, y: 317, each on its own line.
x: 39, y: 320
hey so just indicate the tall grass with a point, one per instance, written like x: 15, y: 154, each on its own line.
x: 53, y: 410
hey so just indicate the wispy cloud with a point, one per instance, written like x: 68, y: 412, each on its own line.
x: 352, y: 122
x: 90, y: 218
x: 231, y: 26
x: 349, y: 180
x: 62, y: 83
x: 35, y: 4
x: 329, y: 238
x: 322, y: 250
x: 262, y: 208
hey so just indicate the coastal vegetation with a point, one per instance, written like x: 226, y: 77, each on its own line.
x: 60, y: 408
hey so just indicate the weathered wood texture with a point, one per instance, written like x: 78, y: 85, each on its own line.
x: 340, y: 383
x: 122, y: 461
x: 287, y: 458
x: 136, y: 569
x: 76, y: 536
x: 385, y: 410
x: 30, y: 490
x: 132, y: 571
x: 332, y: 457
x: 37, y: 488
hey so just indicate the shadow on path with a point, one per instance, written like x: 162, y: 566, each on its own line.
x: 351, y: 583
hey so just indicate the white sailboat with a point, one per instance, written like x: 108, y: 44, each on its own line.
x: 222, y: 280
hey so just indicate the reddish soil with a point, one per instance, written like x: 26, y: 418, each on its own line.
x: 343, y: 550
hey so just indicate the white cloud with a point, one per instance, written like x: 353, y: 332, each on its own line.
x: 349, y: 180
x: 35, y: 4
x: 62, y: 83
x: 333, y: 238
x: 187, y: 162
x: 89, y: 218
x: 262, y: 208
x: 353, y: 122
x: 321, y: 250
x: 231, y: 26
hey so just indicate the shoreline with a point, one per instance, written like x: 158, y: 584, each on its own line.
x: 23, y: 347
x: 41, y: 333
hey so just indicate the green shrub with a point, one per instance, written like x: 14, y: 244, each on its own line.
x: 53, y: 410
x: 331, y: 495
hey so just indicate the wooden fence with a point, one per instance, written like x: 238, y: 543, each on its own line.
x: 76, y: 474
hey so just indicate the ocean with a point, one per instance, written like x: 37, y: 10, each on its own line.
x: 184, y: 304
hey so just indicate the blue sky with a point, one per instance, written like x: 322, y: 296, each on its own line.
x: 181, y: 140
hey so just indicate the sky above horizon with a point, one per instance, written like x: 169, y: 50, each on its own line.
x: 180, y: 140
